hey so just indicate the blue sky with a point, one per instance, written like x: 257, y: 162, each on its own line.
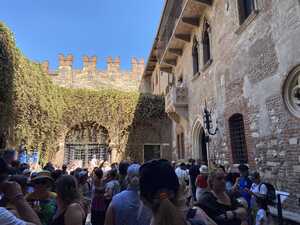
x: 45, y: 28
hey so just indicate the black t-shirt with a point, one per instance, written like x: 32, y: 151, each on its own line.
x: 194, y: 172
x: 208, y: 202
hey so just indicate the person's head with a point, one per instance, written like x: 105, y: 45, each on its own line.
x: 217, y: 180
x: 82, y: 176
x: 112, y: 174
x: 98, y: 173
x: 255, y: 177
x: 244, y: 170
x: 42, y: 181
x: 67, y: 190
x: 203, y: 170
x: 9, y: 156
x: 159, y: 189
x: 64, y: 167
x: 56, y: 174
x: 123, y: 168
x: 192, y: 161
x: 133, y: 176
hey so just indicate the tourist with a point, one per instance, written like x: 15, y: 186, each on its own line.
x: 98, y: 207
x: 258, y: 191
x: 12, y: 191
x: 64, y: 169
x: 222, y: 208
x: 243, y: 183
x: 201, y: 181
x: 159, y: 188
x: 41, y: 199
x: 123, y: 166
x: 112, y: 186
x: 193, y: 172
x: 126, y: 207
x: 83, y: 185
x: 70, y: 210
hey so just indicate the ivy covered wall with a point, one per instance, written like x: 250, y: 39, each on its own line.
x: 34, y: 109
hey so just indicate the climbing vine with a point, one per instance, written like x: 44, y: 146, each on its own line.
x: 36, y: 110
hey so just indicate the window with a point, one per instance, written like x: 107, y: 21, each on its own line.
x: 246, y: 7
x: 237, y: 138
x: 195, y: 55
x: 206, y: 44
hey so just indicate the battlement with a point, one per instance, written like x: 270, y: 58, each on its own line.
x: 90, y: 64
x: 90, y: 77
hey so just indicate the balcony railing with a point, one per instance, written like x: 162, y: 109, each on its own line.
x: 177, y: 102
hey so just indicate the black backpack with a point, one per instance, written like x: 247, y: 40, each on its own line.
x: 271, y: 193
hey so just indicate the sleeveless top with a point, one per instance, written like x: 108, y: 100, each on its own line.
x: 60, y: 220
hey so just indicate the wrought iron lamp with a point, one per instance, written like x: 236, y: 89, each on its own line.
x: 207, y: 120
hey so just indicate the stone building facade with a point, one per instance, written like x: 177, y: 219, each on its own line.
x: 240, y: 59
x: 92, y: 78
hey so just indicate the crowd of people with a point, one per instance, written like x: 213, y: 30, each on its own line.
x: 157, y: 192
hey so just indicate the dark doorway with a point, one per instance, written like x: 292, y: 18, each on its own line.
x: 203, y: 147
x: 151, y: 152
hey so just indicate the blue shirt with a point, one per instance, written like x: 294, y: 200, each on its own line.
x: 129, y: 210
x: 245, y: 182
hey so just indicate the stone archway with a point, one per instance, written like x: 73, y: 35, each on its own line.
x: 199, y: 145
x: 86, y: 144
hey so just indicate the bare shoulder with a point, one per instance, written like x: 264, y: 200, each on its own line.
x: 74, y: 207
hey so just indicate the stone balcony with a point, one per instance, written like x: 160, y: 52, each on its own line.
x: 176, y: 103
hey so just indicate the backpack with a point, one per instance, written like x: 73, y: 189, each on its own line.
x: 271, y: 193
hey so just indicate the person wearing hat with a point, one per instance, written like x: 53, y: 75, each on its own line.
x: 126, y: 207
x: 201, y: 181
x: 41, y: 199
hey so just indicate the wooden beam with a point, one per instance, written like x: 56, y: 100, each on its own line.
x: 166, y: 69
x: 193, y: 21
x: 175, y: 51
x: 172, y: 62
x: 204, y: 2
x: 183, y: 37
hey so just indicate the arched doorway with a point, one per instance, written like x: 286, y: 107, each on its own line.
x: 202, y: 146
x: 86, y: 144
x: 199, y: 142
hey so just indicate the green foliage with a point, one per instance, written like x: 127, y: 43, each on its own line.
x: 34, y: 109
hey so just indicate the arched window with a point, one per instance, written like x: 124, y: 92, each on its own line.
x: 206, y: 43
x: 245, y: 9
x: 195, y: 54
x: 237, y: 138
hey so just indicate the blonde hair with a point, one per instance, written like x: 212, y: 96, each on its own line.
x: 168, y: 212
